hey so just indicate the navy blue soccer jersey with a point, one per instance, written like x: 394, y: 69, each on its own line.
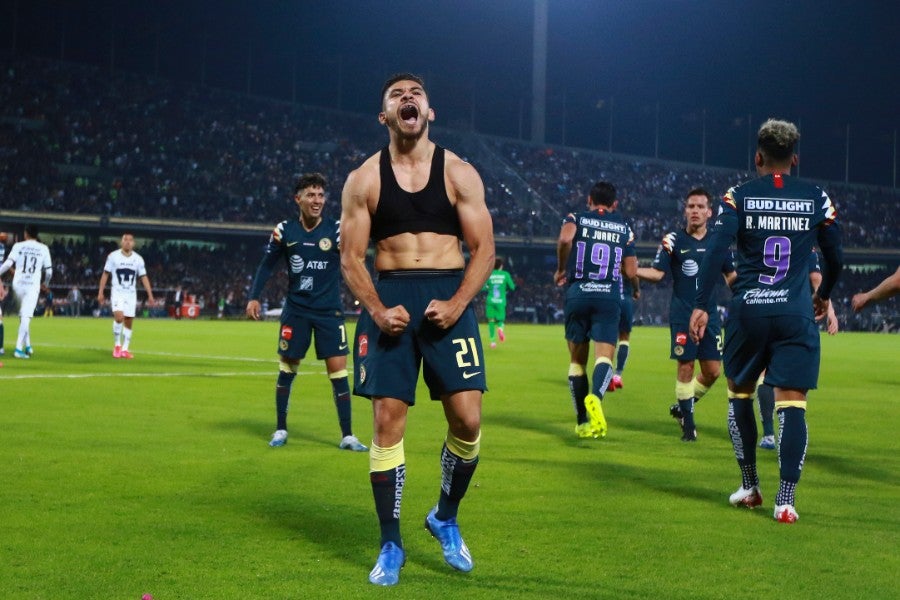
x: 776, y: 220
x: 594, y: 267
x: 313, y: 262
x: 680, y: 255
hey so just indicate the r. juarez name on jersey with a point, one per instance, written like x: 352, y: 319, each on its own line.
x: 602, y: 240
x: 680, y: 255
x: 313, y: 264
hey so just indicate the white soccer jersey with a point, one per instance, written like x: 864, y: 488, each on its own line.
x: 32, y: 259
x: 124, y: 272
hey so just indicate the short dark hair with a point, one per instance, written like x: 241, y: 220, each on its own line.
x: 401, y: 77
x: 777, y: 139
x: 603, y: 193
x: 310, y: 180
x: 498, y: 263
x: 699, y: 191
x: 32, y: 230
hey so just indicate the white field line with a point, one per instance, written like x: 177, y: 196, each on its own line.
x: 210, y: 357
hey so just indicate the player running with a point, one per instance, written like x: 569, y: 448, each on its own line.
x: 498, y: 283
x: 680, y: 254
x: 595, y: 249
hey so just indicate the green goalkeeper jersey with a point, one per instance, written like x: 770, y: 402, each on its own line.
x: 497, y: 285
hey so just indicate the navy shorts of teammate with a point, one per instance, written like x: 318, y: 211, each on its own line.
x: 786, y: 346
x: 683, y: 348
x: 452, y: 359
x: 296, y: 334
x: 595, y: 319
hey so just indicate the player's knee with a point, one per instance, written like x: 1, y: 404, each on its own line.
x: 288, y: 366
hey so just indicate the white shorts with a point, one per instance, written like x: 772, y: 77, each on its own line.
x: 124, y: 303
x: 28, y: 298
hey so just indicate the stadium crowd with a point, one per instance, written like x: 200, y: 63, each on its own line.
x: 81, y: 140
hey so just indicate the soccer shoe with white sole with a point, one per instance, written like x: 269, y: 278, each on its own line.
x: 117, y: 352
x: 493, y: 344
x: 595, y: 412
x: 584, y: 431
x: 350, y: 442
x: 279, y: 438
x: 387, y: 568
x: 785, y: 513
x: 21, y: 354
x: 767, y: 442
x: 743, y: 497
x: 126, y: 354
x: 456, y: 553
x: 29, y: 351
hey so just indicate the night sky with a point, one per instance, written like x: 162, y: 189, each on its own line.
x: 826, y: 63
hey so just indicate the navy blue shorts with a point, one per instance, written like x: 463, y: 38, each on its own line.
x: 388, y: 366
x: 709, y: 348
x: 787, y: 347
x: 626, y: 319
x: 297, y: 329
x: 594, y: 319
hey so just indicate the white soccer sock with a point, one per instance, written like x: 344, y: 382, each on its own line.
x: 126, y: 334
x: 117, y: 333
x: 22, y: 339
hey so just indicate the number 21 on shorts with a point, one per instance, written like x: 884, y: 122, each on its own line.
x: 466, y: 347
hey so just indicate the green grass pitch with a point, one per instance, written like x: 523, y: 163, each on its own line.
x: 153, y: 476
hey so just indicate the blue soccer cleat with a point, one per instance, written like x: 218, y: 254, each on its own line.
x: 767, y: 442
x: 279, y: 438
x: 29, y: 351
x: 456, y: 553
x: 387, y: 568
x: 21, y: 354
x: 351, y: 442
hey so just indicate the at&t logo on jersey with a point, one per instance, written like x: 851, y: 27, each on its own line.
x: 297, y: 263
x: 690, y: 267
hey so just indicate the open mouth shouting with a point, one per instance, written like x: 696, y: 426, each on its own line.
x: 409, y: 114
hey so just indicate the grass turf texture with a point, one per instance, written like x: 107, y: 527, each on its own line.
x: 126, y: 477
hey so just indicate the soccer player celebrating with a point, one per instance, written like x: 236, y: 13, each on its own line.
x: 34, y: 269
x: 309, y: 248
x: 499, y: 282
x: 603, y: 246
x: 680, y: 254
x: 776, y: 220
x: 416, y: 201
x: 126, y: 267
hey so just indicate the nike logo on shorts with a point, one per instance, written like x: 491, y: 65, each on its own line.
x: 470, y: 375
